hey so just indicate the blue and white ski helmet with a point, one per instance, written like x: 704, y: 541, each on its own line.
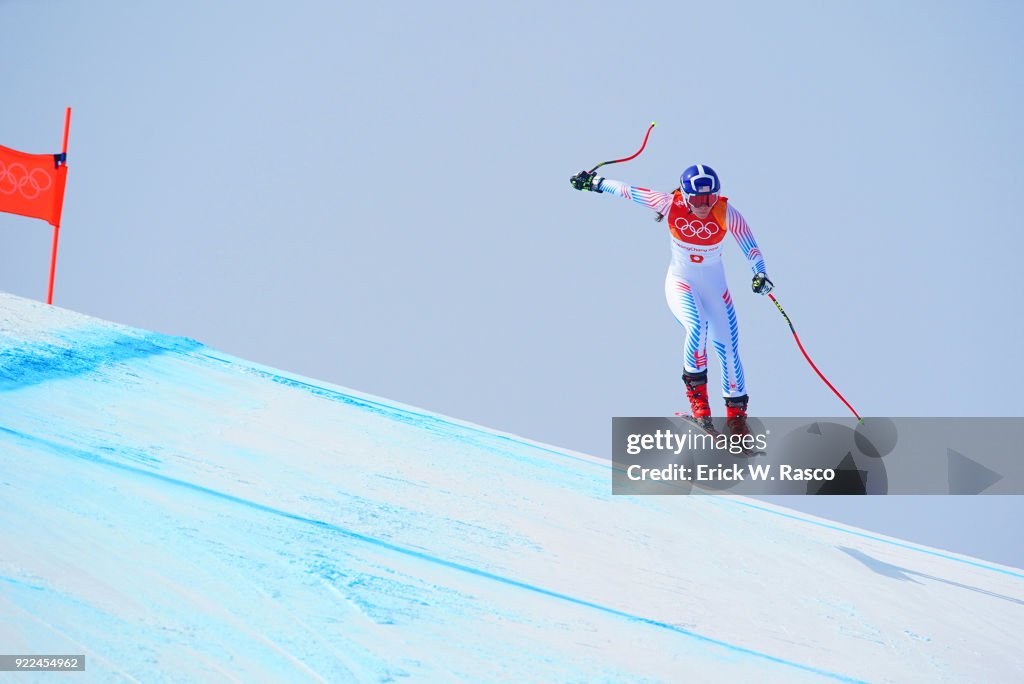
x: 700, y: 179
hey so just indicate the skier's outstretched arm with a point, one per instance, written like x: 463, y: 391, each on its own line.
x: 745, y: 239
x: 652, y: 199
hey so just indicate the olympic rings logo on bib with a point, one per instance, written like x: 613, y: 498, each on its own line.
x: 700, y: 230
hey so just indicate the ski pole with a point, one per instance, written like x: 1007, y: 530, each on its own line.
x: 797, y: 338
x: 616, y: 161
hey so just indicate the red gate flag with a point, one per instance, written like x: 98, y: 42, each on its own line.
x: 32, y: 184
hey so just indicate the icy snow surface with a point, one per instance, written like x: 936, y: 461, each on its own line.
x: 178, y: 514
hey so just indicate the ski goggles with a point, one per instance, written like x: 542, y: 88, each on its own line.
x: 705, y: 201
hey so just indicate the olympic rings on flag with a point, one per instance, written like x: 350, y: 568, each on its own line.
x: 29, y: 184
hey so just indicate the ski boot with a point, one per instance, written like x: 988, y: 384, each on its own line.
x: 736, y: 421
x: 697, y: 393
x: 736, y: 415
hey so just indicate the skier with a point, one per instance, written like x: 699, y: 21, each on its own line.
x: 698, y: 218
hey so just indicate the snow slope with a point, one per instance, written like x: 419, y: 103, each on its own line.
x: 178, y: 514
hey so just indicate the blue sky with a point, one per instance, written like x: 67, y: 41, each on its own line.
x: 376, y: 195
